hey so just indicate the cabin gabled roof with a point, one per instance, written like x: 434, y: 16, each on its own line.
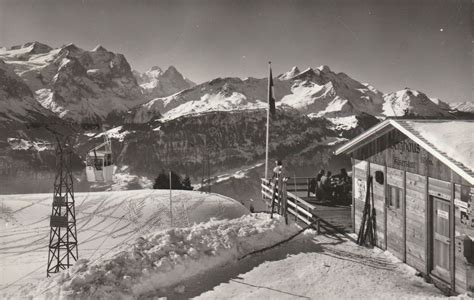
x: 450, y: 141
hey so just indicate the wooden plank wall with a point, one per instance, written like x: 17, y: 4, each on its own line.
x: 379, y: 204
x: 397, y: 151
x: 416, y: 239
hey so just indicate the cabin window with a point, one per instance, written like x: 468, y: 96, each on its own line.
x: 108, y: 159
x: 394, y: 196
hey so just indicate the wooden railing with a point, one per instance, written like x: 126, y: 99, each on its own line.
x: 300, y: 209
x: 300, y: 184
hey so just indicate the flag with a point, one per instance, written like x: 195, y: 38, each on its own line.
x: 271, y: 99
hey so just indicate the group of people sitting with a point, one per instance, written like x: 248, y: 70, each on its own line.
x: 326, y: 187
x: 334, y: 188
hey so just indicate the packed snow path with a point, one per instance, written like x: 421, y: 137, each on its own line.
x: 313, y: 267
x: 105, y: 220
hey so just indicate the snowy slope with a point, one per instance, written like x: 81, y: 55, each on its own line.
x: 440, y: 103
x: 105, y: 220
x: 411, y: 102
x: 221, y: 94
x: 322, y: 92
x: 74, y: 83
x: 157, y: 83
x: 463, y: 106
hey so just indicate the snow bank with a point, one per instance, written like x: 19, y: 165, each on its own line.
x: 165, y: 258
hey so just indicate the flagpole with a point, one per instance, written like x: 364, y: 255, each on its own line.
x: 268, y: 130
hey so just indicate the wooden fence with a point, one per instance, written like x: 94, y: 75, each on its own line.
x: 309, y: 210
x: 300, y: 184
x: 296, y: 206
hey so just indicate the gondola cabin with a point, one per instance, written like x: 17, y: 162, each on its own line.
x: 422, y: 174
x: 99, y: 164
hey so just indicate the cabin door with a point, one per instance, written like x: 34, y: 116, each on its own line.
x: 395, y: 207
x: 440, y: 238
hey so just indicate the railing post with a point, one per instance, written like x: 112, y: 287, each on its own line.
x: 307, y: 181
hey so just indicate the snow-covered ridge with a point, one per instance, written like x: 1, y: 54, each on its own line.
x: 99, y: 85
x: 463, y: 106
x: 409, y: 101
x: 317, y: 91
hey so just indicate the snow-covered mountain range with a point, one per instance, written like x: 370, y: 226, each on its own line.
x: 93, y: 86
x: 317, y: 92
x: 76, y: 84
x: 182, y: 123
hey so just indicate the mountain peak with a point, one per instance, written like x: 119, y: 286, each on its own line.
x: 70, y: 47
x: 172, y: 69
x: 291, y: 73
x: 99, y: 48
x: 324, y: 68
x: 155, y: 68
x: 172, y: 72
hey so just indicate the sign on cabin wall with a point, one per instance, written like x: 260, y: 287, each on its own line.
x: 462, y: 203
x: 396, y: 150
x: 360, y: 187
x: 408, y: 154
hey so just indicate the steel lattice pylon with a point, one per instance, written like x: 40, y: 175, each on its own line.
x: 63, y: 250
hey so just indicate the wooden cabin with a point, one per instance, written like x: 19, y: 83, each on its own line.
x: 423, y: 175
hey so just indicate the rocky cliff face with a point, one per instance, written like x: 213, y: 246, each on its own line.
x: 157, y: 83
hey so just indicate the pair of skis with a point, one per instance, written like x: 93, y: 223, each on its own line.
x: 367, y: 229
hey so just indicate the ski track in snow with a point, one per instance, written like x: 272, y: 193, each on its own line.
x: 309, y: 267
x: 105, y: 220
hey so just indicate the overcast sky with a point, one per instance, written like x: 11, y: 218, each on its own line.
x: 424, y: 45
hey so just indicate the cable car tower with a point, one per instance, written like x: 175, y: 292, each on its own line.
x: 63, y: 250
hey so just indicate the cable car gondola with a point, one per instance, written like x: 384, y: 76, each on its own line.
x: 99, y: 164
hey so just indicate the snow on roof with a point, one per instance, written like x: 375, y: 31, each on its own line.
x: 450, y: 141
x: 455, y: 138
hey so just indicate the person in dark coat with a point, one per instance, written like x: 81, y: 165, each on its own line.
x: 342, y: 185
x: 317, y: 190
x: 326, y: 189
